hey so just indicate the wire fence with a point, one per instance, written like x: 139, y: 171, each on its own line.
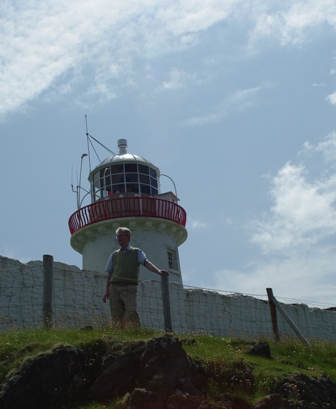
x: 285, y: 300
x: 77, y: 301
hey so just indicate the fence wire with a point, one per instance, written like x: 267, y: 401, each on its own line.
x: 77, y: 301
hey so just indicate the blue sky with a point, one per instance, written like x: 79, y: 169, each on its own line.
x: 234, y: 100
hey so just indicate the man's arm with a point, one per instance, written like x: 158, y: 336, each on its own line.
x: 106, y: 295
x: 151, y: 267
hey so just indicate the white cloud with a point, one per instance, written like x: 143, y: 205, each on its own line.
x: 326, y: 147
x: 297, y: 236
x: 303, y: 212
x: 177, y: 79
x: 302, y: 276
x: 228, y: 220
x: 195, y: 15
x: 47, y: 41
x: 42, y: 41
x: 332, y: 98
x: 237, y: 102
x: 197, y: 224
x: 289, y: 22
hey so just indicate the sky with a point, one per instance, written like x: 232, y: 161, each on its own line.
x: 235, y: 100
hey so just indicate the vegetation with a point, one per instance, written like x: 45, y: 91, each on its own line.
x: 220, y: 357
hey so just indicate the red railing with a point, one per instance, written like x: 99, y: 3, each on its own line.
x: 126, y: 207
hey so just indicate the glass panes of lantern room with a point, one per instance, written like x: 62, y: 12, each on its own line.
x: 126, y: 179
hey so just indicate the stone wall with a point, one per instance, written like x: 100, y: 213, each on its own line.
x: 77, y: 301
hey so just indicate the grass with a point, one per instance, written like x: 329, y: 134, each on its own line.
x: 221, y: 357
x: 17, y: 345
x: 288, y: 356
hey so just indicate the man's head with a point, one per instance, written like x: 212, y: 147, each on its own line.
x: 123, y: 236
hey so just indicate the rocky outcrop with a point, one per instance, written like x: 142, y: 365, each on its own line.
x: 161, y: 376
x: 156, y: 374
x: 307, y: 393
x: 48, y: 379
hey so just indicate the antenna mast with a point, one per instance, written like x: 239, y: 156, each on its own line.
x: 79, y: 179
x: 87, y: 140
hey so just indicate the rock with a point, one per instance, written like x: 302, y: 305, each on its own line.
x: 159, y: 372
x: 274, y: 401
x: 164, y: 364
x: 117, y: 379
x: 49, y: 378
x: 227, y: 401
x: 182, y: 400
x: 311, y: 393
x: 239, y: 403
x: 150, y: 372
x: 143, y: 399
x: 261, y: 349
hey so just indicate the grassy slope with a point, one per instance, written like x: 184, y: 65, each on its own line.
x: 218, y: 355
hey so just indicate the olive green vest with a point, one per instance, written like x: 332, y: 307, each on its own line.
x: 125, y: 267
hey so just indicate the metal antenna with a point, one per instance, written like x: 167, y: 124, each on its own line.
x: 87, y: 140
x: 72, y: 186
x: 80, y: 178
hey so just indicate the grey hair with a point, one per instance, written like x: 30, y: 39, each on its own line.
x: 124, y: 230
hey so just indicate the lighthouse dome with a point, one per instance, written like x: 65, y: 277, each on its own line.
x: 124, y: 156
x: 124, y: 174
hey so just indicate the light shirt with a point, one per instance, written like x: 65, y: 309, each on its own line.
x: 141, y: 259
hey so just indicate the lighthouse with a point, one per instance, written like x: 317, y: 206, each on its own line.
x: 125, y: 192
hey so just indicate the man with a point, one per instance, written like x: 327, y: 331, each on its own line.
x: 122, y: 279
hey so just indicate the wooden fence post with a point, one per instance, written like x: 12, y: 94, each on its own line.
x: 289, y: 321
x: 166, y: 303
x: 273, y: 314
x: 48, y: 275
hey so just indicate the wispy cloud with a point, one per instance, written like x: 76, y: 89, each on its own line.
x: 332, y: 98
x: 302, y: 276
x: 326, y: 147
x: 41, y: 42
x: 303, y: 213
x: 177, y: 79
x: 289, y: 22
x: 197, y: 224
x: 297, y: 235
x: 240, y: 101
x: 100, y: 41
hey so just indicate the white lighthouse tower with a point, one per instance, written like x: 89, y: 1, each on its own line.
x: 125, y: 191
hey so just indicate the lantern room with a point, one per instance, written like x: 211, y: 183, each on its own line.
x: 124, y: 174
